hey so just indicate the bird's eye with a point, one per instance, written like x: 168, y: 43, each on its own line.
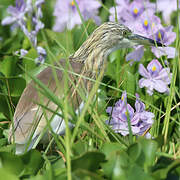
x: 125, y: 33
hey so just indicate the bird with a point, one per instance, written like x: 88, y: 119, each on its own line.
x: 29, y: 119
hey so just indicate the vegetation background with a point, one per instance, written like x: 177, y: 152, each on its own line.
x: 92, y: 150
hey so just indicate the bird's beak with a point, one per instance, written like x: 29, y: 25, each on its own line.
x: 141, y: 40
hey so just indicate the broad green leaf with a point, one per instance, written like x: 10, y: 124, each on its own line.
x: 11, y: 163
x: 3, y: 141
x: 166, y: 168
x: 7, y: 3
x: 89, y: 161
x: 4, y: 108
x: 29, y: 60
x: 136, y: 172
x: 8, y: 66
x: 59, y: 167
x: 85, y: 175
x: 32, y: 161
x: 13, y: 86
x: 79, y: 148
x: 129, y: 83
x: 120, y: 166
x: 109, y: 148
x: 117, y: 163
x: 40, y: 177
x: 134, y: 151
x: 149, y: 148
x: 5, y: 174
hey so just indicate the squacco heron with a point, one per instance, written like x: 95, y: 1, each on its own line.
x: 88, y: 60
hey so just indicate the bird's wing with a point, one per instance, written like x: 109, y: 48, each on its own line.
x: 28, y: 117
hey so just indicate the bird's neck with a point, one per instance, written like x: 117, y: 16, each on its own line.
x: 94, y: 59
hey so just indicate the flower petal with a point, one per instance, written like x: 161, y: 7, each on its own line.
x: 136, y: 55
x: 164, y: 75
x: 160, y: 86
x: 154, y: 67
x: 145, y: 83
x: 143, y: 71
x: 135, y: 119
x: 170, y: 52
x: 135, y: 129
x: 8, y: 20
x: 139, y: 106
x: 109, y: 110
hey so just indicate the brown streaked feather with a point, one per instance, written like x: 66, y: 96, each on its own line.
x: 25, y: 117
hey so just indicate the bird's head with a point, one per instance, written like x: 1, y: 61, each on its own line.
x: 105, y: 39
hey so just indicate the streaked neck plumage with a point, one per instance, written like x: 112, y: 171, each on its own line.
x: 94, y: 51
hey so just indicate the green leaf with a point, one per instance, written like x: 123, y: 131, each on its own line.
x: 6, y: 3
x: 29, y: 60
x: 85, y: 175
x: 5, y: 174
x: 9, y: 66
x: 14, y: 86
x: 11, y: 163
x: 117, y: 161
x: 149, y: 148
x: 162, y: 173
x: 134, y: 171
x: 58, y: 167
x: 3, y: 142
x: 79, y: 148
x: 33, y: 161
x: 129, y: 84
x: 3, y: 104
x: 109, y: 148
x: 134, y: 151
x: 89, y: 161
x: 120, y: 166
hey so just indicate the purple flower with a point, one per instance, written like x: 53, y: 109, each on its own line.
x: 167, y: 7
x: 166, y: 37
x: 140, y: 18
x: 121, y: 9
x: 136, y: 55
x: 128, y: 13
x: 146, y: 25
x: 21, y: 53
x: 67, y: 15
x: 20, y: 14
x: 41, y: 55
x: 155, y: 77
x: 145, y: 116
x: 140, y: 120
x: 16, y: 13
x: 120, y: 104
x: 151, y: 27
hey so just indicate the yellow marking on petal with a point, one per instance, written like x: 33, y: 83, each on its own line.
x: 146, y: 22
x: 122, y: 98
x: 159, y: 35
x: 72, y: 3
x: 126, y: 113
x: 154, y: 68
x: 135, y: 10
